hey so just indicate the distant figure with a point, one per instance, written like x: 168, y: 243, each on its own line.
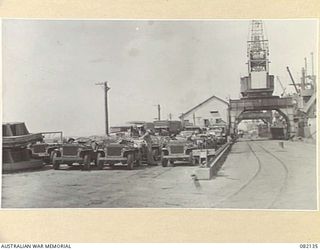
x: 147, y: 138
x: 134, y: 132
x: 281, y: 144
x: 196, y: 181
x: 229, y: 139
x: 142, y: 131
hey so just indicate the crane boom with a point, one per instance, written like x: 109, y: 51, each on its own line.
x: 294, y: 84
x: 283, y: 88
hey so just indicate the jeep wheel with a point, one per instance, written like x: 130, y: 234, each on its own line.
x: 130, y: 161
x: 52, y: 153
x: 86, y: 162
x: 155, y: 154
x: 164, y: 162
x: 55, y: 163
x: 138, y: 163
x: 100, y: 163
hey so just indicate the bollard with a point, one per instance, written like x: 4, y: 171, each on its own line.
x: 281, y: 144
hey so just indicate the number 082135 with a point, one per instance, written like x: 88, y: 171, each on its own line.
x: 305, y: 245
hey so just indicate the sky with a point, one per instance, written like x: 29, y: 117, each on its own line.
x: 50, y: 67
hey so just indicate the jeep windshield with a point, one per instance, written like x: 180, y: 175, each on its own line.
x: 186, y: 133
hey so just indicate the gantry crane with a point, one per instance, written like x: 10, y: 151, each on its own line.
x: 258, y: 83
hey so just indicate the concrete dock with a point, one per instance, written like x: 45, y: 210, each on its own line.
x: 256, y: 175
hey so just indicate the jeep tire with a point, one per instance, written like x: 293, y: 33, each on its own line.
x: 55, y: 163
x: 100, y: 163
x: 86, y: 162
x: 138, y: 162
x: 155, y: 154
x: 164, y: 162
x: 130, y: 161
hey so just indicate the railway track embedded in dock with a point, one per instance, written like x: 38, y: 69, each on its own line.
x: 264, y: 187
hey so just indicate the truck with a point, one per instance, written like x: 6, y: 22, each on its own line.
x: 120, y: 130
x: 142, y: 125
x: 132, y: 129
x: 167, y: 127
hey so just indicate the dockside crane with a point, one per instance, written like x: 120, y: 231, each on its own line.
x: 259, y: 82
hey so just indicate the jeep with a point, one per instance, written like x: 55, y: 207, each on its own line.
x: 43, y: 151
x: 118, y: 152
x: 177, y: 150
x: 70, y: 153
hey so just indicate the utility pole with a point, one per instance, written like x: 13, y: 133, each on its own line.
x: 312, y: 69
x: 159, y: 112
x: 106, y: 89
x: 306, y: 66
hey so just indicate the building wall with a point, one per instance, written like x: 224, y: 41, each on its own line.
x: 203, y: 113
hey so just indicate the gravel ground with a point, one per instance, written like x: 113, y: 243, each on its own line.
x: 255, y: 175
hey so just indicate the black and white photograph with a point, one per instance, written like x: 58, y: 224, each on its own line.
x: 111, y: 113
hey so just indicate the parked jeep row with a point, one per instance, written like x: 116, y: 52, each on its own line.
x: 125, y: 151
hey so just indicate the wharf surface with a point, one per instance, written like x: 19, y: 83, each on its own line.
x: 256, y: 175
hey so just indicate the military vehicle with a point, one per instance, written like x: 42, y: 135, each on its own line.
x: 70, y: 153
x: 206, y: 146
x: 123, y: 152
x: 164, y: 127
x: 186, y: 134
x: 44, y: 150
x: 220, y: 133
x: 192, y: 128
x: 203, y: 156
x: 178, y: 150
x: 205, y: 141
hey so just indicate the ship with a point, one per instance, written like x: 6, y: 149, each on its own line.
x: 305, y: 108
x: 305, y: 99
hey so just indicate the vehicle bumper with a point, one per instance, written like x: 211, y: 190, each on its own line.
x: 177, y: 157
x: 40, y: 156
x: 203, y: 152
x: 73, y: 159
x: 113, y: 160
